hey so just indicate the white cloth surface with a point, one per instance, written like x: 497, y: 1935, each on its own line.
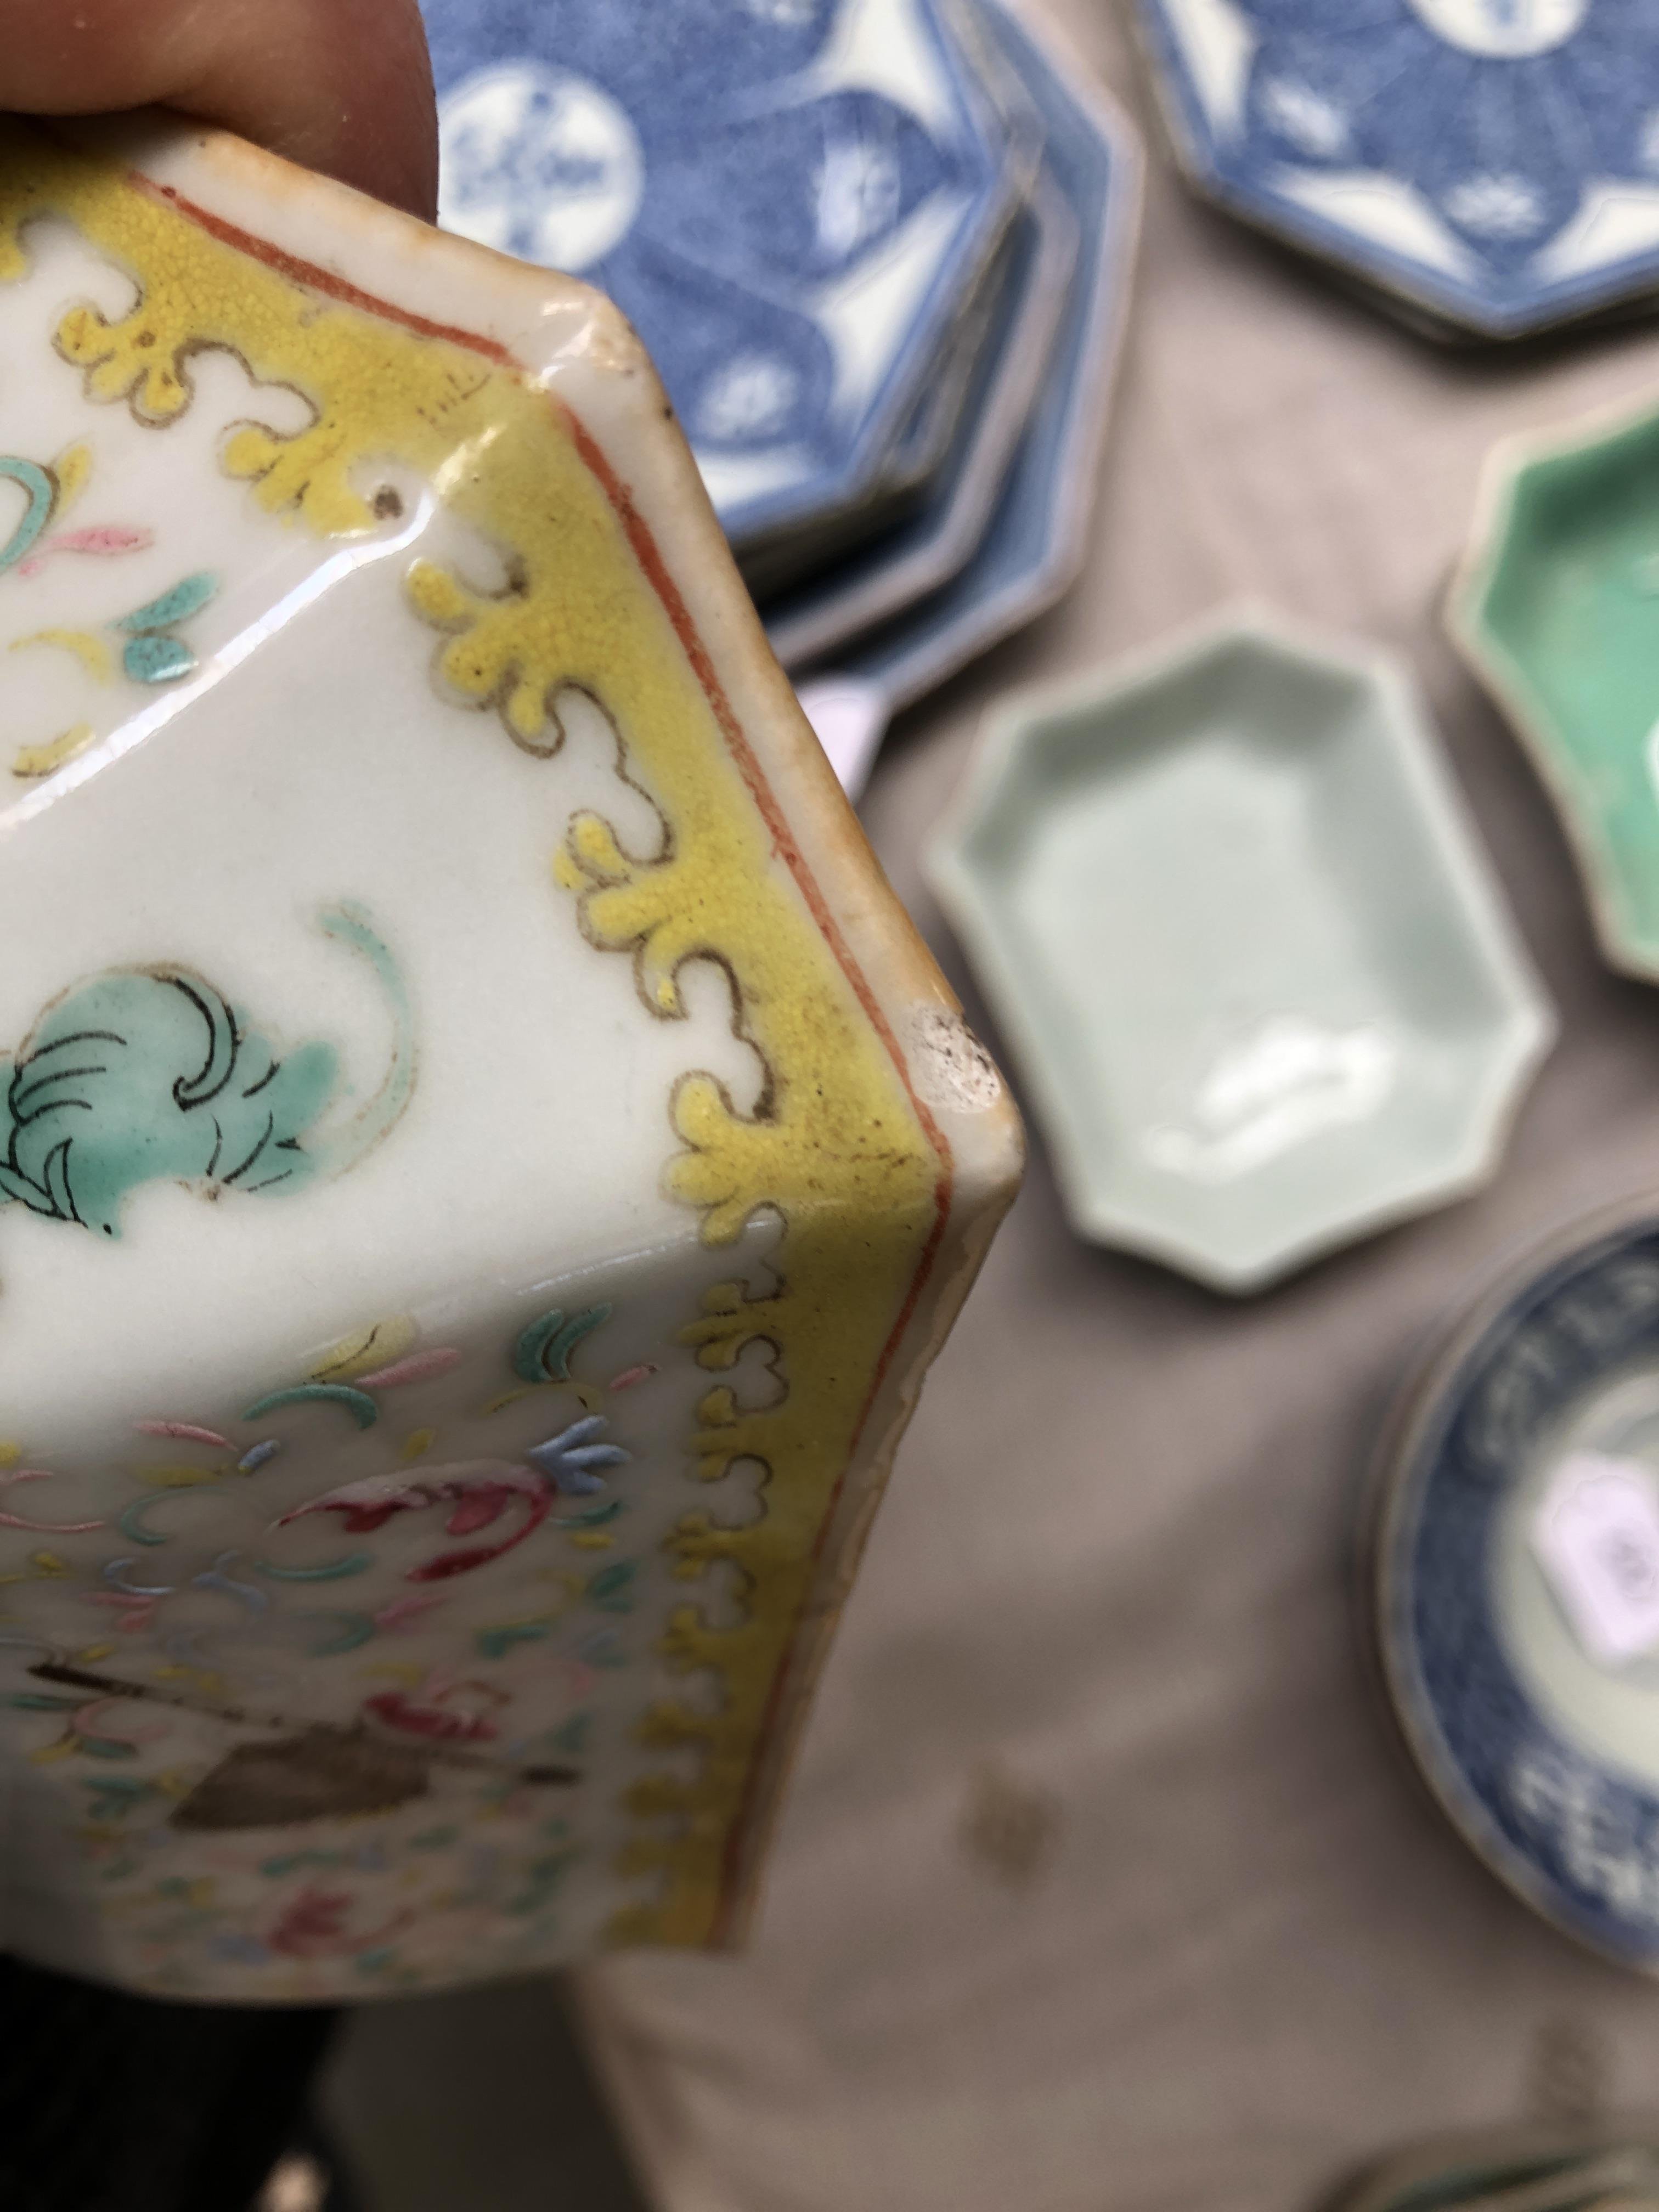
x: 1100, y: 1883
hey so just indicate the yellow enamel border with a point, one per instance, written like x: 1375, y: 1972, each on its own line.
x: 839, y: 1149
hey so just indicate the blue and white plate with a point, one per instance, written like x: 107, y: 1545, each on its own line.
x: 790, y: 199
x: 924, y: 446
x: 1038, y: 533
x: 942, y: 537
x: 784, y: 561
x: 1495, y: 162
x: 1517, y: 1582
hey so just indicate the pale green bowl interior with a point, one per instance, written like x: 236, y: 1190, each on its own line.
x: 1239, y: 852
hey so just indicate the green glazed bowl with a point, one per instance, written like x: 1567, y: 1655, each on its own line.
x: 1556, y: 608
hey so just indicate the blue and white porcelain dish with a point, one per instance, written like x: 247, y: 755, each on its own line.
x: 904, y: 565
x: 786, y: 561
x: 1530, y: 1709
x: 1037, y: 538
x: 789, y: 198
x: 925, y: 445
x: 1494, y: 162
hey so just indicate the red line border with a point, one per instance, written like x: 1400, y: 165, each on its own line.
x: 655, y: 570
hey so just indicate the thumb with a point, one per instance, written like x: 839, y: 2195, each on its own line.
x: 343, y: 86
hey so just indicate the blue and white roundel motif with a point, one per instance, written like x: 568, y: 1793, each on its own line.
x: 1497, y: 159
x: 539, y: 163
x: 786, y: 198
x: 1503, y: 26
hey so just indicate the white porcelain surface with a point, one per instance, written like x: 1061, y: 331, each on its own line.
x: 1514, y: 1525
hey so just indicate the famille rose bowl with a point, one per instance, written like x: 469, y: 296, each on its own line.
x: 485, y: 1160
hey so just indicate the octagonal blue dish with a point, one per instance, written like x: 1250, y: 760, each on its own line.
x: 1037, y: 534
x: 924, y: 445
x: 789, y: 200
x: 781, y: 562
x: 1494, y: 162
x: 1566, y: 2163
x: 905, y: 564
x: 1542, y: 1749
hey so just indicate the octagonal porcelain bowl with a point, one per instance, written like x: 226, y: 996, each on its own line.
x: 1488, y: 163
x: 1229, y: 913
x: 484, y: 1161
x: 1556, y: 608
x: 791, y: 202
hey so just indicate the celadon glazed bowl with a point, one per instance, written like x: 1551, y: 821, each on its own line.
x: 1230, y: 916
x: 485, y: 1160
x: 1556, y: 608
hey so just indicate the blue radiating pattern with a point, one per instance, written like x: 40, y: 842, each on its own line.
x: 1498, y: 114
x: 1579, y: 1839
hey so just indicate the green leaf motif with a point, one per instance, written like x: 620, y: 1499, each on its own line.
x: 543, y: 1352
x: 157, y: 659
x: 609, y: 1588
x: 185, y: 599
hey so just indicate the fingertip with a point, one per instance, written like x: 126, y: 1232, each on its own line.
x: 341, y: 86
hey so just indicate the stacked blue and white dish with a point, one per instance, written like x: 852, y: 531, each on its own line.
x: 880, y: 252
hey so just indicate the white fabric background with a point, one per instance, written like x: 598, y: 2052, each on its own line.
x: 1100, y: 1885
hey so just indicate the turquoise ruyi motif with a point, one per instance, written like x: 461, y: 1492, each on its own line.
x: 143, y: 1075
x: 40, y: 488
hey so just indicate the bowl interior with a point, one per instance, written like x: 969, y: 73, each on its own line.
x: 1238, y: 954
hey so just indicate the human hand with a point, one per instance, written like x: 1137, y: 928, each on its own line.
x: 343, y: 86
